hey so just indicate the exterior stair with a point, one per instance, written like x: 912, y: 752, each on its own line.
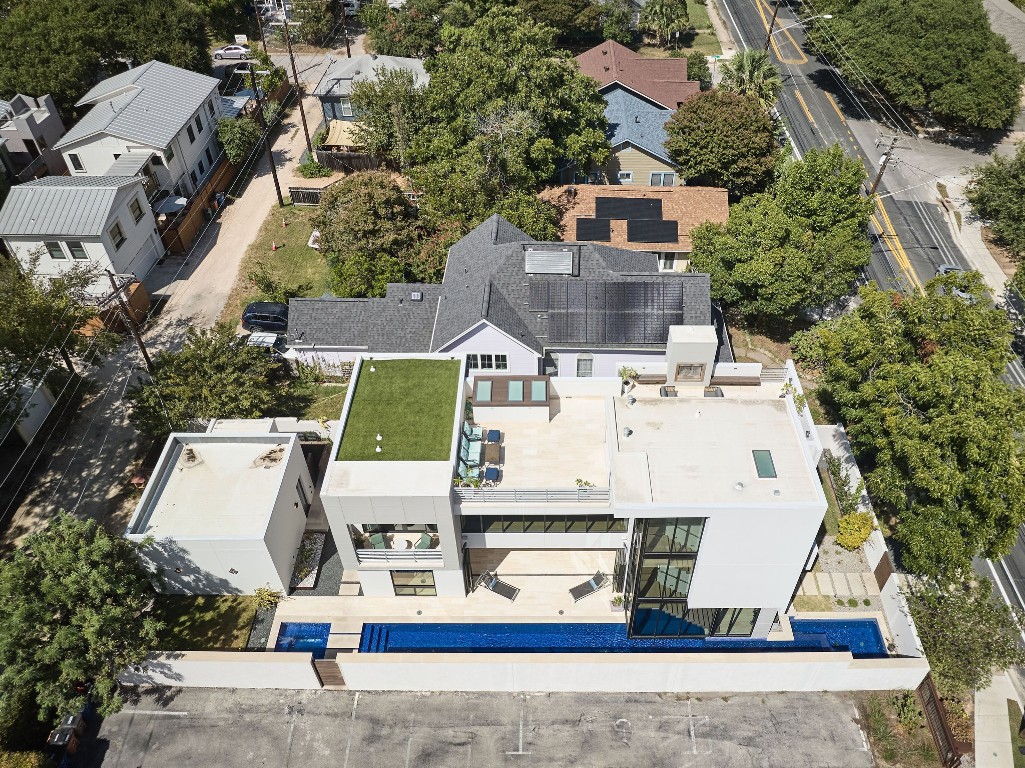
x: 330, y: 675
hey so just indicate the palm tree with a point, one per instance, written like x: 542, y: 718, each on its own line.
x: 662, y: 18
x: 750, y: 73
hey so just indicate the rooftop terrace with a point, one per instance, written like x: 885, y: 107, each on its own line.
x: 409, y: 403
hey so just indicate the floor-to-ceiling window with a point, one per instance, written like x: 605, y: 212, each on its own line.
x: 663, y: 556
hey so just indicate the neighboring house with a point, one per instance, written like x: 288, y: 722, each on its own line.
x: 335, y: 87
x: 101, y: 220
x: 226, y: 511
x: 659, y: 220
x: 508, y: 303
x: 31, y: 129
x: 641, y: 95
x: 157, y: 119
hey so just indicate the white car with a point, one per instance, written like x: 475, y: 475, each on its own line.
x: 232, y: 52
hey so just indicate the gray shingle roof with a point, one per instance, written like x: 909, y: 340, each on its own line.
x: 342, y: 73
x: 148, y: 104
x: 61, y: 206
x: 634, y: 120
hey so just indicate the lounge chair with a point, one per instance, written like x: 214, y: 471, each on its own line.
x: 589, y: 587
x: 492, y: 583
x: 377, y: 541
x: 470, y: 452
x: 425, y: 541
x: 467, y: 472
x: 472, y: 433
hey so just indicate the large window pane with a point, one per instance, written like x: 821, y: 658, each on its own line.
x: 737, y: 622
x: 534, y: 524
x: 674, y: 534
x: 667, y: 577
x: 414, y: 583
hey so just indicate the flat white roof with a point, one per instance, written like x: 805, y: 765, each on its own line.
x: 692, y: 450
x: 216, y: 486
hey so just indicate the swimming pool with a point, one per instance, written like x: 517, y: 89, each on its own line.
x: 860, y: 636
x: 303, y: 636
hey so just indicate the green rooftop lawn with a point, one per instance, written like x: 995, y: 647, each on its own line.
x: 410, y: 403
x: 205, y: 622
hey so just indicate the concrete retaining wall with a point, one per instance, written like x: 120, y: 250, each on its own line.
x: 225, y: 669
x: 898, y: 616
x: 649, y: 672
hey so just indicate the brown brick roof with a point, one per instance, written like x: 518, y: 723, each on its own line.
x: 661, y: 80
x: 690, y: 206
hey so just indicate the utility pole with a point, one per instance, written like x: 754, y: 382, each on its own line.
x: 299, y: 90
x: 263, y: 38
x: 263, y: 136
x: 129, y: 321
x: 345, y: 32
x: 884, y: 161
x: 772, y: 23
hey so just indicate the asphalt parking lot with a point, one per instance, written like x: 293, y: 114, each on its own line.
x: 219, y: 727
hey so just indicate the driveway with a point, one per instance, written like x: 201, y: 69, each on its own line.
x: 245, y: 728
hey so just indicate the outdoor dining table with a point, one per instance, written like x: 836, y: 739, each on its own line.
x: 492, y: 453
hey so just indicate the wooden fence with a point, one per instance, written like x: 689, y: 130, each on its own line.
x: 178, y: 237
x: 948, y: 747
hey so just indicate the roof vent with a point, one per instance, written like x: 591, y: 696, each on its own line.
x: 627, y: 431
x: 416, y: 296
x: 560, y: 262
x: 739, y: 486
x: 190, y: 458
x: 268, y: 459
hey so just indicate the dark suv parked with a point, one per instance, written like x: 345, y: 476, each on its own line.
x: 265, y: 316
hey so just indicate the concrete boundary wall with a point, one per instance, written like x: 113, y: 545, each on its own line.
x: 898, y: 616
x: 641, y: 672
x: 225, y: 669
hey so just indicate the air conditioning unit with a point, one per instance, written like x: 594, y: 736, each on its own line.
x: 416, y: 296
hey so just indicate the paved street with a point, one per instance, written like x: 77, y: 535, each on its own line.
x: 247, y: 728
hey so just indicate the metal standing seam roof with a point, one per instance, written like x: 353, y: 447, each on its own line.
x: 342, y: 73
x: 62, y: 206
x: 149, y: 104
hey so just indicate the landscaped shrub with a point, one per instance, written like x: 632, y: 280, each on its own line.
x: 854, y: 530
x: 311, y: 169
x: 23, y: 760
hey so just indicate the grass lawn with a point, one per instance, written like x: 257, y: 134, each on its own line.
x: 293, y: 264
x: 411, y: 403
x: 702, y: 38
x: 1014, y: 720
x: 205, y: 622
x: 814, y: 603
x: 325, y: 401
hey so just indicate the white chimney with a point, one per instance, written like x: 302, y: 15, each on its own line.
x: 690, y: 355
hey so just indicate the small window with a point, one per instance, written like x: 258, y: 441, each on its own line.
x: 585, y: 365
x: 487, y: 362
x: 199, y: 125
x: 210, y: 107
x: 667, y: 262
x: 538, y: 391
x: 414, y: 583
x: 54, y: 249
x: 472, y: 362
x: 117, y: 155
x: 192, y: 175
x: 156, y: 161
x: 77, y: 250
x: 169, y: 154
x: 41, y: 142
x: 191, y: 133
x: 515, y: 391
x: 764, y: 464
x: 136, y: 209
x: 483, y: 391
x: 501, y: 363
x: 202, y: 168
x: 76, y: 162
x: 209, y: 157
x: 304, y: 500
x: 345, y: 107
x: 663, y: 179
x: 626, y: 177
x: 117, y: 237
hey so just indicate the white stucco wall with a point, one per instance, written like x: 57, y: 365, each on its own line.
x: 898, y: 616
x: 607, y: 361
x: 288, y: 521
x: 485, y: 338
x: 225, y: 669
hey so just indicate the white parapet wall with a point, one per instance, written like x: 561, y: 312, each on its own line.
x: 637, y: 672
x: 898, y: 616
x: 225, y: 669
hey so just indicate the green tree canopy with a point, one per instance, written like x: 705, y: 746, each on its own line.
x: 663, y: 19
x: 75, y: 612
x: 392, y: 114
x: 751, y: 73
x: 916, y: 380
x: 723, y: 139
x: 698, y: 69
x: 996, y: 193
x: 214, y: 375
x: 616, y: 17
x: 537, y: 218
x: 966, y: 631
x: 238, y: 136
x: 313, y: 21
x: 934, y: 56
x: 413, y: 31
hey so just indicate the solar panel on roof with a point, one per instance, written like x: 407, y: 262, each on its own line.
x: 538, y: 300
x: 594, y: 229
x: 627, y: 208
x: 652, y: 231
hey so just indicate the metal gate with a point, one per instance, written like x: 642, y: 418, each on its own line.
x: 936, y: 717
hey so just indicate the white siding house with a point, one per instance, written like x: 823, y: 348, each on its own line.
x: 167, y: 114
x: 104, y: 221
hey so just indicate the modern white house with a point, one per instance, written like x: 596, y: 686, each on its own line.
x: 103, y: 221
x: 154, y: 120
x: 31, y: 127
x: 699, y: 494
x: 225, y: 511
x: 511, y: 305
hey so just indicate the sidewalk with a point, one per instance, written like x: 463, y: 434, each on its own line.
x: 993, y: 747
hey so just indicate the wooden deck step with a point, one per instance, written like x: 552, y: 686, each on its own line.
x: 330, y: 675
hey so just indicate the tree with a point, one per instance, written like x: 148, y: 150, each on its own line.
x: 183, y: 40
x: 824, y: 189
x: 996, y: 192
x: 238, y: 136
x: 697, y: 69
x: 664, y: 18
x: 392, y: 111
x: 938, y: 57
x: 724, y: 140
x: 616, y: 17
x: 412, y: 31
x: 750, y: 73
x: 75, y: 614
x: 965, y: 631
x: 537, y: 218
x: 313, y: 21
x: 574, y: 20
x: 937, y: 432
x: 214, y: 375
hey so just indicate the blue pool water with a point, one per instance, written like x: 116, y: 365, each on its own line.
x: 860, y: 636
x: 303, y: 636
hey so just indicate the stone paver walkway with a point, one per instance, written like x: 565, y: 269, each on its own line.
x: 839, y: 584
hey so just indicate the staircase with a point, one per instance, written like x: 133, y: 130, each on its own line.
x: 375, y: 638
x: 330, y: 675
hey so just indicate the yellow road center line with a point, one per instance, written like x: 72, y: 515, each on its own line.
x: 896, y: 247
x: 803, y: 59
x: 765, y: 23
x: 900, y: 246
x: 836, y: 107
x: 800, y: 100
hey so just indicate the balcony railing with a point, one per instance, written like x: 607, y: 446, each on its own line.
x: 532, y: 495
x: 400, y: 556
x: 29, y: 172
